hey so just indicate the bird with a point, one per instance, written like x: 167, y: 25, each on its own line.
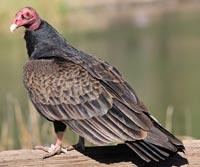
x: 73, y: 89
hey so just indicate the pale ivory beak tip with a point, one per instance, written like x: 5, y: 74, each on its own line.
x: 13, y: 27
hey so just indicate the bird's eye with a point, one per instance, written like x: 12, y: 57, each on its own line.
x: 27, y: 15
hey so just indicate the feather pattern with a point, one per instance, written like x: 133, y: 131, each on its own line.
x: 65, y: 91
x: 90, y: 96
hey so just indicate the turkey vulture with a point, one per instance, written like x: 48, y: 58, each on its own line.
x: 71, y: 88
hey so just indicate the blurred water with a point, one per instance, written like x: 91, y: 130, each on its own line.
x: 160, y: 61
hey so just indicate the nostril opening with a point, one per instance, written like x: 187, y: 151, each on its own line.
x: 22, y: 16
x: 17, y: 21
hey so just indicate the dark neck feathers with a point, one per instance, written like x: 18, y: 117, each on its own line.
x: 45, y: 35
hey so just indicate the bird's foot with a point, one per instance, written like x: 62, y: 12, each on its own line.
x: 53, y: 150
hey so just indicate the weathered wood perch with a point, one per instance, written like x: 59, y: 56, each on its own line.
x: 113, y: 156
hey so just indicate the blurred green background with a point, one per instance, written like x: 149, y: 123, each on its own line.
x: 155, y: 44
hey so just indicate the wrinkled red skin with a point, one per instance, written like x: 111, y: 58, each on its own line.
x: 28, y: 18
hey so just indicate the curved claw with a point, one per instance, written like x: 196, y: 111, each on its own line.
x: 51, y: 151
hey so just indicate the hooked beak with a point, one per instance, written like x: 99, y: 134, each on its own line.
x: 13, y: 27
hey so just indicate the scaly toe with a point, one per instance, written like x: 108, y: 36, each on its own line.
x: 53, y: 150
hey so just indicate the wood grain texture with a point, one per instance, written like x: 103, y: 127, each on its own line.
x: 113, y: 156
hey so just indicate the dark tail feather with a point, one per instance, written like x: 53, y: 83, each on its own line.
x: 139, y: 152
x: 179, y: 145
x: 158, y: 145
x: 149, y: 152
x: 166, y: 134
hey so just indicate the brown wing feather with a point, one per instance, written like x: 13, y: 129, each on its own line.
x: 108, y: 75
x: 92, y: 98
x: 65, y: 91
